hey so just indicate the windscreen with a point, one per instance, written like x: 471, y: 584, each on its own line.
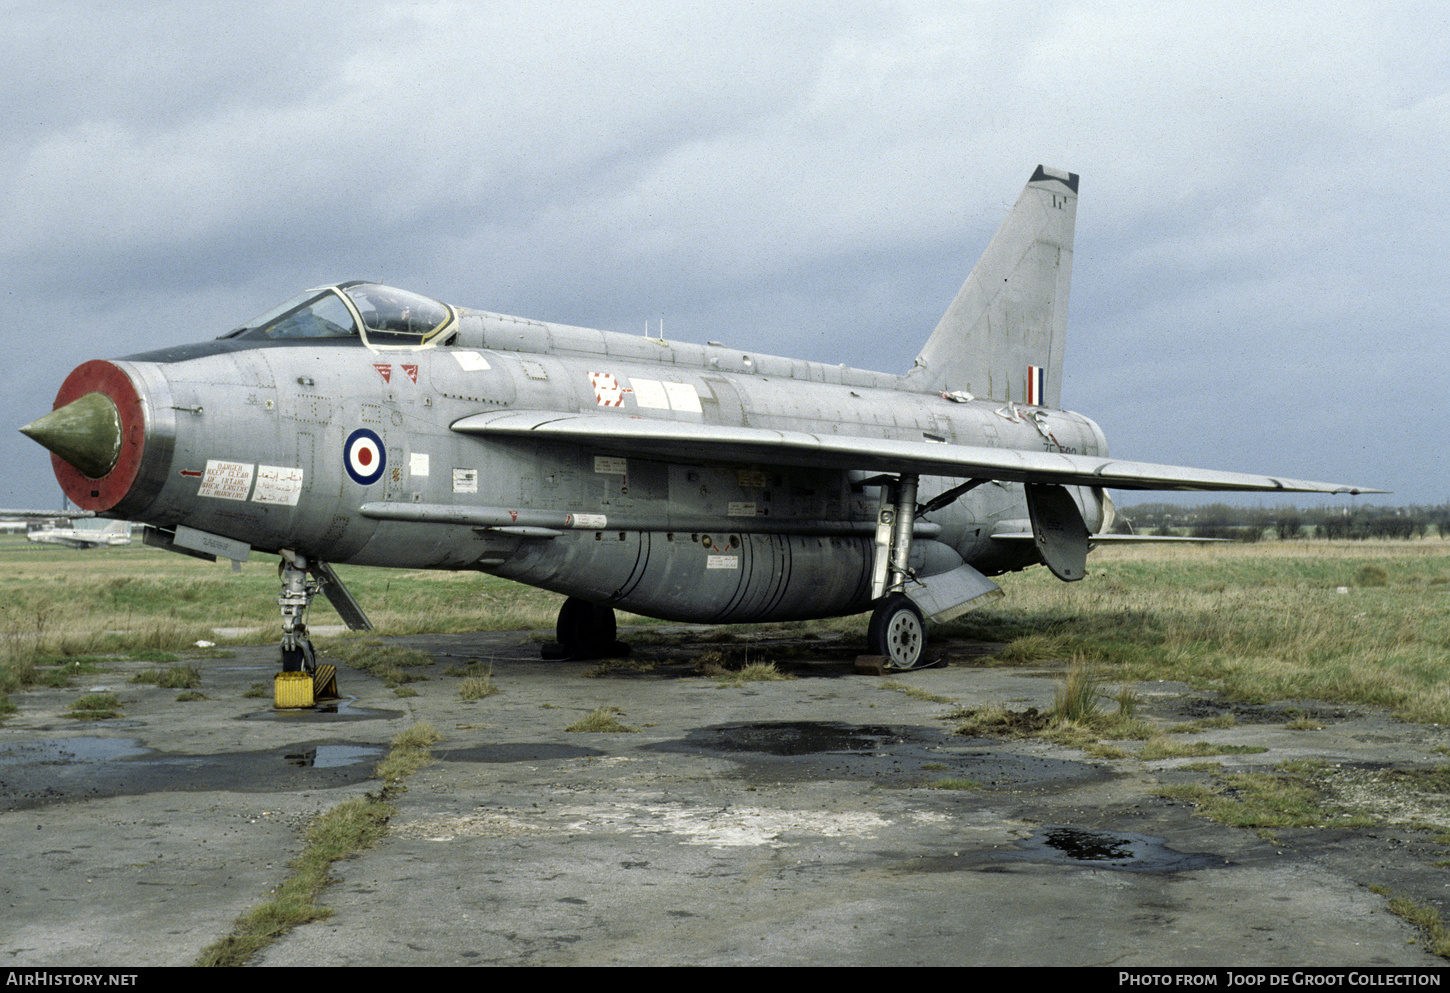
x: 312, y: 314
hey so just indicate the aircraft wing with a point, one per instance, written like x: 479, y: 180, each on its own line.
x: 674, y: 440
x: 26, y: 515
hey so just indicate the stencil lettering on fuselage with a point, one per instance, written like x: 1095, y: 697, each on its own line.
x: 226, y: 480
x: 278, y: 484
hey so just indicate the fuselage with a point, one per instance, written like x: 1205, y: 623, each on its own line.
x: 343, y: 450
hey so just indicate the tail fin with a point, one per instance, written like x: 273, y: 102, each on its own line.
x: 1003, y: 336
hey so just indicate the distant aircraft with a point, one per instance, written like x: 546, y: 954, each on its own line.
x: 363, y: 424
x: 112, y: 533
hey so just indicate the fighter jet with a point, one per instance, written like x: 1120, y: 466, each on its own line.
x: 359, y: 423
x: 107, y: 533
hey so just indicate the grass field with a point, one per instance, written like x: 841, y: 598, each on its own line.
x: 1363, y: 622
x: 58, y: 604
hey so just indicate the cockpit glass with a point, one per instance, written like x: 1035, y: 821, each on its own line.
x: 391, y: 318
x: 396, y: 317
x: 309, y: 315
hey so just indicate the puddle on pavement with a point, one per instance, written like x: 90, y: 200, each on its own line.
x: 528, y: 751
x: 907, y: 756
x: 344, y: 709
x: 70, y: 750
x: 1122, y: 850
x: 332, y: 756
x: 42, y: 771
x: 796, y: 737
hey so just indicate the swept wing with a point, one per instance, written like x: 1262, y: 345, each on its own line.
x: 715, y: 443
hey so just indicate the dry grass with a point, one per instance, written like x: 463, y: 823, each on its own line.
x: 477, y: 687
x: 601, y: 719
x: 339, y: 833
x: 1423, y: 916
x: 1258, y: 622
x: 753, y: 672
x: 59, y: 602
x: 178, y: 677
x: 95, y: 707
x: 1288, y: 797
x: 410, y: 752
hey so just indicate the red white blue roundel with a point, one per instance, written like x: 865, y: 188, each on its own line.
x: 364, y: 457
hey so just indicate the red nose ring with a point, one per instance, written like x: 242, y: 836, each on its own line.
x: 96, y: 456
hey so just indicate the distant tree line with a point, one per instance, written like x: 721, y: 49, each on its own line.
x: 1288, y: 523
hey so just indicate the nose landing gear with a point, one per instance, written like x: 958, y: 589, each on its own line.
x: 302, y: 682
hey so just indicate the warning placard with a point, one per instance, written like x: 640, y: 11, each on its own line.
x: 226, y: 480
x: 277, y: 484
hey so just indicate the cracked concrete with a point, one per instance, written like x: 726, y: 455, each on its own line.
x: 801, y: 822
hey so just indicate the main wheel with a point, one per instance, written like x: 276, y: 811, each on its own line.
x: 585, y: 630
x: 898, y: 631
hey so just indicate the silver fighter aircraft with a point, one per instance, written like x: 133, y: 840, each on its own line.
x: 363, y: 424
x: 104, y: 533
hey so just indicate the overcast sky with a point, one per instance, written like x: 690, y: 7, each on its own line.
x: 1259, y: 281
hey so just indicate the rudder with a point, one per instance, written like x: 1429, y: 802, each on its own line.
x: 1004, y: 334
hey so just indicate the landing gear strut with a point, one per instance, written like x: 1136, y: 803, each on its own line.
x: 302, y: 681
x: 297, y: 593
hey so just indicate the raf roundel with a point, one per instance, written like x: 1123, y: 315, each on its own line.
x: 364, y: 457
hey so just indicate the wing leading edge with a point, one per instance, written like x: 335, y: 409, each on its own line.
x: 674, y: 440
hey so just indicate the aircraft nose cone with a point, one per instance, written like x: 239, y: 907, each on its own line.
x: 97, y: 435
x: 86, y: 433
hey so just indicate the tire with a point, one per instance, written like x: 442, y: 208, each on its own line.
x: 898, y: 632
x: 299, y: 659
x: 585, y: 630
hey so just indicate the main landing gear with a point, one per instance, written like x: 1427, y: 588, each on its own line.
x: 897, y: 631
x: 586, y: 631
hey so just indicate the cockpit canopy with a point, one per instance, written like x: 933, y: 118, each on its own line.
x: 376, y: 315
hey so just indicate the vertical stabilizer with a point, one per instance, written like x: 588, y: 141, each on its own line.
x: 1003, y: 336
